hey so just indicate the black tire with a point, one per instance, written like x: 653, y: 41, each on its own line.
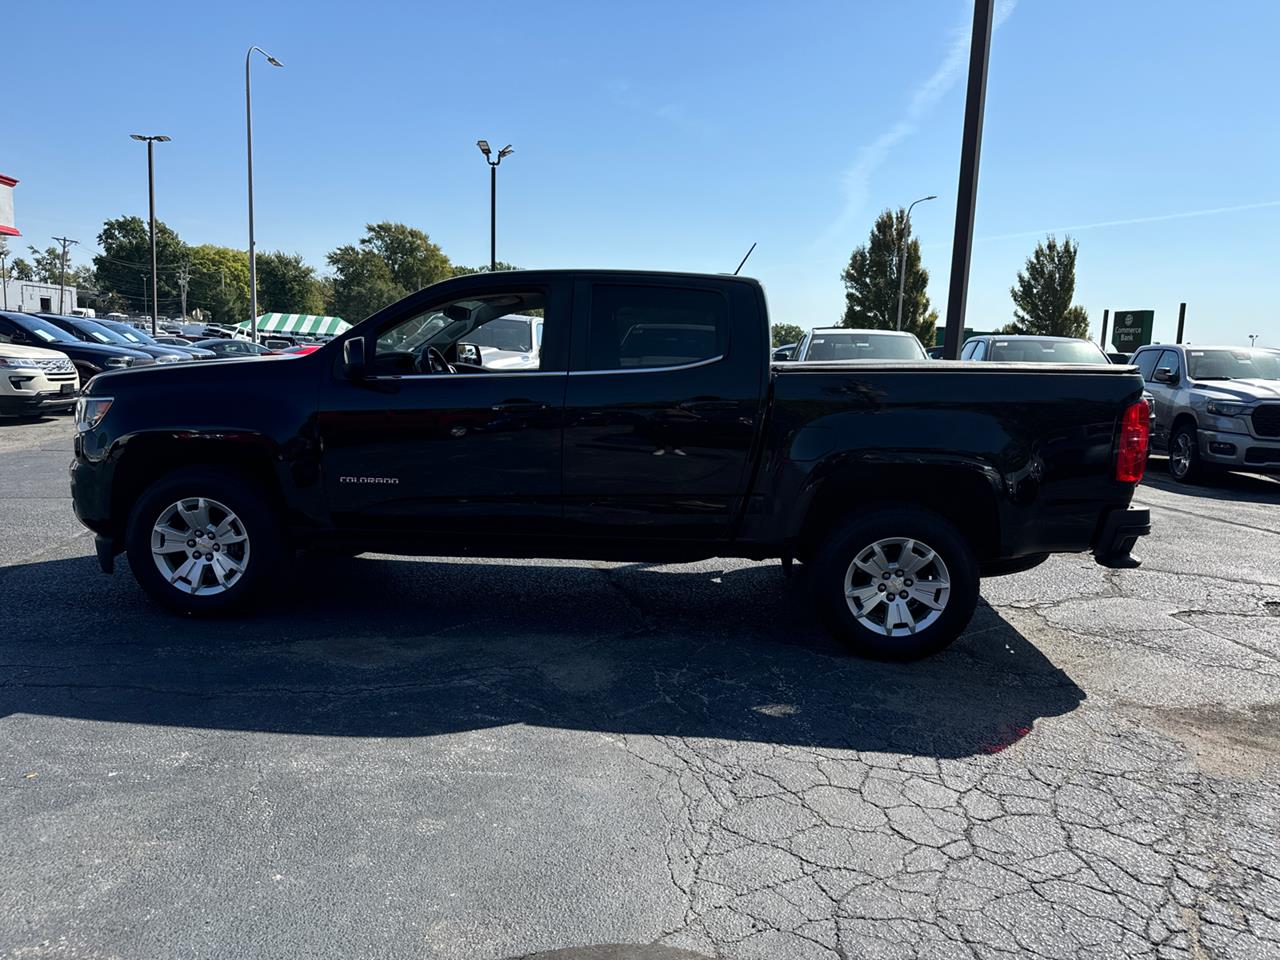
x: 266, y: 556
x: 1192, y: 469
x: 857, y: 535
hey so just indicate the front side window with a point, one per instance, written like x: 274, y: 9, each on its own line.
x: 1170, y: 359
x: 966, y: 352
x: 476, y: 334
x: 1146, y: 364
x: 634, y: 327
x: 980, y: 350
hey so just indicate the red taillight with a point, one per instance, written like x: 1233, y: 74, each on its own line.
x: 1135, y: 434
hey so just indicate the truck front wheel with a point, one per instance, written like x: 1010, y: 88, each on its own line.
x: 203, y: 541
x: 896, y: 584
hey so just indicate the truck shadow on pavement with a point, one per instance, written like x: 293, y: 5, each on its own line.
x: 379, y: 647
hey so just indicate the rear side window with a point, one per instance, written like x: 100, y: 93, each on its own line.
x: 638, y: 327
x: 1146, y: 363
x: 980, y: 350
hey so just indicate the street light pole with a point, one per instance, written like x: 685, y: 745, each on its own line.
x: 902, y: 253
x: 4, y: 280
x: 493, y: 197
x: 151, y: 193
x: 248, y: 122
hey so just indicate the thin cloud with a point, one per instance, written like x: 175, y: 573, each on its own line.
x: 856, y: 180
x: 1158, y: 218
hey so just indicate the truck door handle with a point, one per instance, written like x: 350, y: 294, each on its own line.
x: 706, y: 404
x: 520, y: 406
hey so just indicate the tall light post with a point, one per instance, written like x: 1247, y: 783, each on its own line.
x: 248, y: 123
x: 493, y: 197
x: 151, y: 193
x: 902, y: 253
x: 1252, y: 338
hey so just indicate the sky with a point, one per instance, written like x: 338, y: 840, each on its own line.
x: 673, y: 135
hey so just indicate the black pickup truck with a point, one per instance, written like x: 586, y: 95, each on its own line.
x: 614, y: 416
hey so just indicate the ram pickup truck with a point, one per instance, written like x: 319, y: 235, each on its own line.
x: 654, y: 428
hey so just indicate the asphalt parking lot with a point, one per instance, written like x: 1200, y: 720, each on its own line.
x: 480, y: 759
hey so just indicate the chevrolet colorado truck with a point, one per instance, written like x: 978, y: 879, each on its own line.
x: 653, y: 428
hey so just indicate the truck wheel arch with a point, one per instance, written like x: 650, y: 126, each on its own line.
x: 964, y: 497
x: 146, y: 458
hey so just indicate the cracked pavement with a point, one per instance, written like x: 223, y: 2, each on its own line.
x: 489, y: 759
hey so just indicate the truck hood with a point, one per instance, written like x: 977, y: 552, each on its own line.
x: 1245, y: 390
x: 211, y: 374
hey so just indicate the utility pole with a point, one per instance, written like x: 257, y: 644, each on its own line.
x: 967, y: 194
x: 62, y: 277
x: 184, y: 277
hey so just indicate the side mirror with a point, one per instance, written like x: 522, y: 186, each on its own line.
x: 469, y: 353
x: 353, y: 357
x: 1165, y: 375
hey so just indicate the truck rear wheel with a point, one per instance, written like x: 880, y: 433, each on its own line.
x: 896, y: 584
x: 203, y: 541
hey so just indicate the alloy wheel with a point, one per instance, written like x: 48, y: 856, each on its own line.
x: 200, y: 546
x: 897, y: 586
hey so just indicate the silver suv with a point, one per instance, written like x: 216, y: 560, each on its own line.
x: 1214, y: 407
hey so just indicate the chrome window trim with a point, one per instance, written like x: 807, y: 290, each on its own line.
x: 680, y: 366
x: 469, y: 376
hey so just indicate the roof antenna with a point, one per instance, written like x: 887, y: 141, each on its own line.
x: 744, y: 260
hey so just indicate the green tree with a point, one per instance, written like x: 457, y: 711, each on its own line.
x: 871, y: 281
x: 1044, y: 290
x: 286, y: 284
x: 413, y: 260
x: 124, y: 265
x: 458, y: 270
x: 19, y: 269
x: 786, y: 333
x: 47, y: 263
x: 391, y: 261
x: 219, y: 283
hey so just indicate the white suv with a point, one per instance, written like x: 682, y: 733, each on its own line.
x: 35, y: 381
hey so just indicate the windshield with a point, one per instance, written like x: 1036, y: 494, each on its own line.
x: 99, y: 333
x: 46, y: 331
x: 128, y: 332
x: 863, y: 346
x: 1047, y: 351
x: 1244, y: 363
x: 504, y: 333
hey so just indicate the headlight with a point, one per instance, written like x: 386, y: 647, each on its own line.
x: 90, y: 411
x: 117, y: 361
x: 19, y: 363
x: 1227, y: 408
x: 168, y: 358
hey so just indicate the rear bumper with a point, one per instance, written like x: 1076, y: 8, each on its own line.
x: 1117, y: 534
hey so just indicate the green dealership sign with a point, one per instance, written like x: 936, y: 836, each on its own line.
x: 1132, y: 329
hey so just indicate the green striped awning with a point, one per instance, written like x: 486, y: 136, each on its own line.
x: 299, y: 323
